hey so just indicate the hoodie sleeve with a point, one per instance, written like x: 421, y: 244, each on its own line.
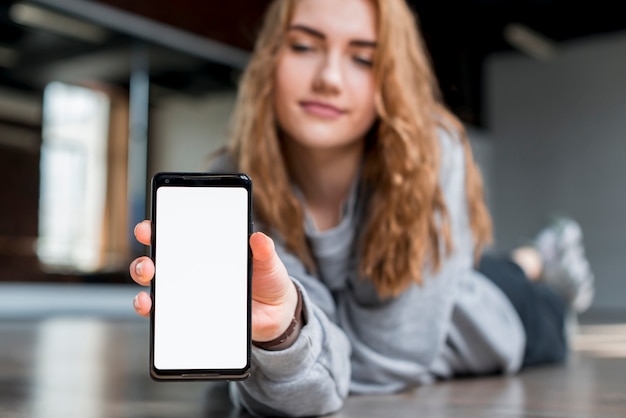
x: 312, y: 376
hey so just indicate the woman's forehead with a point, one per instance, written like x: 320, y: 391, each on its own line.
x: 352, y: 19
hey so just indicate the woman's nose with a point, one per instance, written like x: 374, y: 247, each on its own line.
x: 329, y: 77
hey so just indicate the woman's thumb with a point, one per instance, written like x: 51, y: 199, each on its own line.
x: 263, y: 251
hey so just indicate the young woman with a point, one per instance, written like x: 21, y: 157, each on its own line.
x: 367, y: 187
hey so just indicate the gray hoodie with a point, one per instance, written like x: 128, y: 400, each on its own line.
x: 457, y: 322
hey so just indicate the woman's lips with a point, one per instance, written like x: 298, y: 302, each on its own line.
x: 322, y: 109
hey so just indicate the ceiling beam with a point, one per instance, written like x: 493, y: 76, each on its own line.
x: 150, y: 31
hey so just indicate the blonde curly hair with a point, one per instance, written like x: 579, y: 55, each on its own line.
x: 406, y: 210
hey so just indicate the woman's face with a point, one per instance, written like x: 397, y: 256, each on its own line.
x: 324, y: 80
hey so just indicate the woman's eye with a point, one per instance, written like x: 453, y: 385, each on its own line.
x: 300, y: 47
x: 363, y: 61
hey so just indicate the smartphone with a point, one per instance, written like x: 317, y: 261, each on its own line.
x: 201, y: 291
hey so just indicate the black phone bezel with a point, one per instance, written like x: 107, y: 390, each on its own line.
x: 191, y: 179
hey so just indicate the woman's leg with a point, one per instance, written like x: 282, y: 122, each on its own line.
x: 546, y: 282
x: 541, y: 310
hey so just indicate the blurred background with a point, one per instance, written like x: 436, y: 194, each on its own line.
x: 96, y: 96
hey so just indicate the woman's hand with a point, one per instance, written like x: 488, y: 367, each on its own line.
x: 274, y: 296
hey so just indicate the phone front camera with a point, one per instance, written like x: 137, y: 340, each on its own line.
x: 167, y: 181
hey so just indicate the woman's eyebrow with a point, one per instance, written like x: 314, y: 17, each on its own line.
x: 363, y: 43
x: 307, y: 30
x: 317, y: 34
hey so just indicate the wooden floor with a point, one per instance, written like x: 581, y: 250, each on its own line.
x: 73, y: 363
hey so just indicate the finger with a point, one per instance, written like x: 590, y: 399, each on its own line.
x: 270, y: 281
x: 142, y: 270
x: 142, y: 304
x: 262, y: 248
x: 143, y: 232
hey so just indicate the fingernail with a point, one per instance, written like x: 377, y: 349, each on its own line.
x: 139, y: 269
x: 136, y: 303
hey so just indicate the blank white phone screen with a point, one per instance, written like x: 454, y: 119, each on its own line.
x: 201, y: 282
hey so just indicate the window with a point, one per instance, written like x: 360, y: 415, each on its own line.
x: 73, y: 177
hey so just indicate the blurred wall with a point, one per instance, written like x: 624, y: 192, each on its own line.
x: 186, y: 129
x: 483, y: 147
x: 20, y: 141
x: 559, y: 132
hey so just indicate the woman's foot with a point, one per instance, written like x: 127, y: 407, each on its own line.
x: 529, y: 259
x: 565, y: 266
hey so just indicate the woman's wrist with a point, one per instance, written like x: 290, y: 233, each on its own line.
x: 289, y: 336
